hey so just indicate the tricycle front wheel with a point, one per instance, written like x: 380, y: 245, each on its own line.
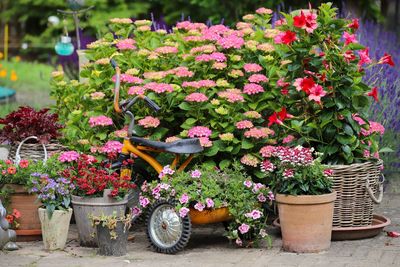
x: 167, y: 232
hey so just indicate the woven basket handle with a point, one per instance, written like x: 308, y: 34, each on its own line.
x: 18, y: 156
x: 371, y: 193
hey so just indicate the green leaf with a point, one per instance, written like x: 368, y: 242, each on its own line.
x: 185, y: 106
x: 386, y: 150
x: 345, y: 140
x: 246, y: 144
x: 225, y: 163
x: 346, y: 149
x: 190, y: 121
x: 348, y: 130
x: 212, y: 151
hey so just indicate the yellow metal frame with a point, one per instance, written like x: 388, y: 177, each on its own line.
x: 139, y: 151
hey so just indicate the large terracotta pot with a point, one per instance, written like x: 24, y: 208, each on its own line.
x: 29, y: 223
x: 96, y: 206
x: 55, y: 230
x: 306, y: 221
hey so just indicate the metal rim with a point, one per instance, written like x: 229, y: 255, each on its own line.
x: 165, y: 226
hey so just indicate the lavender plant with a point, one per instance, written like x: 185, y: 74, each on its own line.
x: 387, y: 79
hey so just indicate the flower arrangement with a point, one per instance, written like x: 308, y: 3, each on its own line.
x: 294, y: 171
x: 208, y: 189
x: 237, y: 90
x: 26, y: 122
x: 91, y: 177
x: 12, y: 173
x: 12, y: 218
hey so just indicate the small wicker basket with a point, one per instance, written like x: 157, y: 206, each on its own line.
x: 356, y: 186
x: 34, y: 151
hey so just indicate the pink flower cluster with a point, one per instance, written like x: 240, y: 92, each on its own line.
x: 100, y: 121
x: 245, y: 124
x: 232, y: 95
x: 127, y: 78
x: 231, y: 41
x: 203, y: 49
x: 267, y: 166
x: 111, y: 147
x: 159, y: 87
x: 126, y: 44
x: 267, y: 151
x: 199, y: 131
x: 196, y: 97
x: 249, y: 160
x: 188, y: 25
x: 166, y: 50
x: 166, y: 171
x: 288, y: 173
x: 149, y: 122
x: 68, y: 156
x: 299, y: 155
x: 136, y: 90
x: 252, y: 89
x: 252, y: 67
x: 258, y: 133
x: 199, y: 84
x: 258, y: 78
x: 216, y: 56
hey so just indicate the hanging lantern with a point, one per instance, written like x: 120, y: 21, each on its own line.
x: 76, y: 4
x: 64, y: 47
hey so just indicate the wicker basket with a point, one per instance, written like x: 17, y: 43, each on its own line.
x: 34, y: 151
x: 356, y: 186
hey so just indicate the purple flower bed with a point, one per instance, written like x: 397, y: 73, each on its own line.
x: 387, y: 79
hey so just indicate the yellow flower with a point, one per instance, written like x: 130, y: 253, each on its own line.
x: 13, y: 76
x: 3, y: 73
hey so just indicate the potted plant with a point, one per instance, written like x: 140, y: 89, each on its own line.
x: 207, y: 195
x: 112, y: 233
x: 326, y: 103
x: 98, y: 191
x: 54, y: 193
x: 21, y: 205
x: 26, y: 122
x: 304, y: 196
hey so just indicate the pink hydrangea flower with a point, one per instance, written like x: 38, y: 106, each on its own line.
x: 257, y: 133
x: 258, y: 78
x: 68, y: 156
x: 199, y: 131
x: 149, y: 122
x: 252, y: 89
x: 205, y: 142
x: 166, y: 50
x: 252, y: 67
x: 267, y: 151
x: 254, y: 214
x: 231, y: 41
x: 183, y: 72
x: 97, y: 95
x: 100, y: 121
x: 249, y: 160
x: 127, y: 78
x: 243, y: 228
x: 184, y: 198
x: 159, y: 87
x: 199, y: 84
x: 195, y: 174
x: 209, y: 203
x: 252, y: 114
x: 196, y: 97
x: 232, y: 95
x: 216, y: 56
x: 245, y: 124
x: 126, y: 44
x: 111, y: 147
x: 183, y: 212
x: 199, y: 206
x: 136, y: 90
x: 207, y: 49
x: 264, y: 11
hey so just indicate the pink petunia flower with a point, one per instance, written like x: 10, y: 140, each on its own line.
x: 199, y: 206
x: 209, y: 203
x: 184, y: 198
x: 144, y: 201
x: 254, y: 214
x: 243, y: 228
x: 183, y: 212
x: 195, y: 174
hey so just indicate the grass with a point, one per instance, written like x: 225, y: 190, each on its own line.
x: 32, y: 85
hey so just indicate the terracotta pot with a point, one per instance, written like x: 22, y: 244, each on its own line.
x: 96, y: 206
x: 55, y: 230
x: 306, y: 221
x: 29, y: 223
x: 209, y: 216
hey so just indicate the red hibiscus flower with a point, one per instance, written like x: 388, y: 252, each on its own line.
x: 354, y: 24
x: 286, y: 37
x: 279, y: 117
x: 374, y: 93
x: 304, y: 84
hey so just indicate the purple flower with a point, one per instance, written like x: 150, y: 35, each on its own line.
x: 195, y: 174
x: 184, y: 198
x: 254, y: 214
x: 248, y: 183
x: 261, y: 197
x: 143, y: 201
x: 209, y: 202
x: 199, y: 206
x: 183, y: 212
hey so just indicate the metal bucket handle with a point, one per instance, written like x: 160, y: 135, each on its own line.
x: 18, y: 156
x: 371, y: 193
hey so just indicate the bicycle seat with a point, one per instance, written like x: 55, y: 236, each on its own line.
x: 183, y: 146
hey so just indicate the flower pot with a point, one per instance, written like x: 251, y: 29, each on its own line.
x: 209, y: 216
x: 29, y: 228
x: 85, y: 206
x: 55, y: 230
x: 109, y: 246
x: 301, y: 233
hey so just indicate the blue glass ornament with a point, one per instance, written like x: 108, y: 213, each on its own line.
x: 64, y: 47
